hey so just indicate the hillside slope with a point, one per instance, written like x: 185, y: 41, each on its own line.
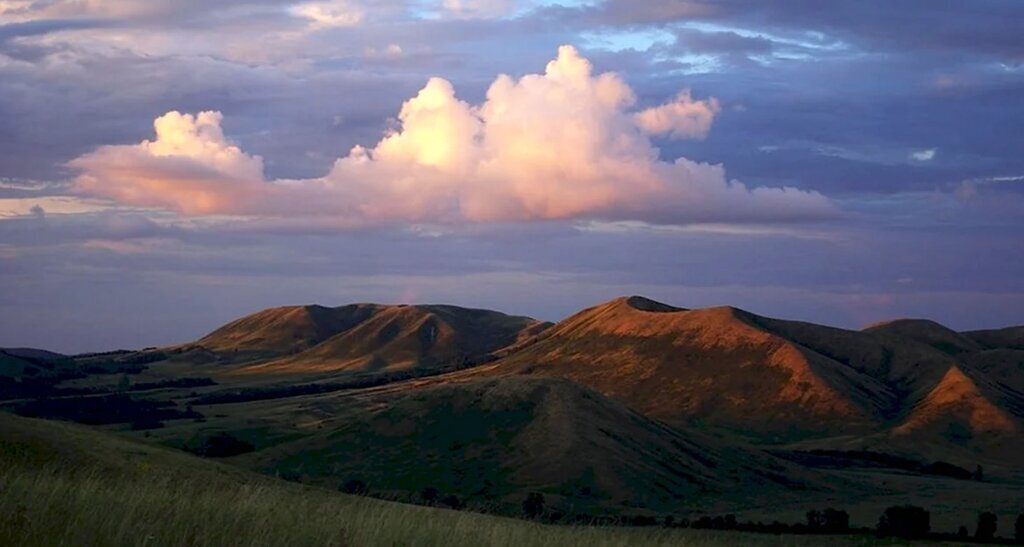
x: 492, y: 441
x: 70, y: 485
x: 715, y: 365
x: 364, y: 337
x: 774, y: 379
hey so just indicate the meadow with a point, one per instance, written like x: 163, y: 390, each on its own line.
x: 63, y: 484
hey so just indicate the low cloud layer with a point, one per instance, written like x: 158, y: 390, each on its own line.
x: 565, y: 144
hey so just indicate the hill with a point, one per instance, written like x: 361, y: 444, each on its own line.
x: 927, y: 332
x: 1008, y: 338
x: 364, y: 337
x: 717, y: 365
x: 773, y: 379
x: 20, y: 362
x: 490, y: 442
x: 71, y: 485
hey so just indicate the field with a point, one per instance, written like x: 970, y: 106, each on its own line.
x: 64, y: 484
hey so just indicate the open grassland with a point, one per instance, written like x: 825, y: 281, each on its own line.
x: 67, y: 485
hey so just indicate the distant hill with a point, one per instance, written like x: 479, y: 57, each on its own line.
x: 773, y: 379
x: 365, y: 337
x: 1008, y: 338
x: 715, y: 365
x: 929, y: 333
x: 31, y: 362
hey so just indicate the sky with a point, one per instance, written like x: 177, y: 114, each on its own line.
x: 169, y: 165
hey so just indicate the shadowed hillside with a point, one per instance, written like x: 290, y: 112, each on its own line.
x: 927, y: 332
x: 71, y: 485
x: 491, y: 442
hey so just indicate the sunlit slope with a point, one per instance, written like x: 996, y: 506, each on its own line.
x: 365, y: 337
x: 776, y: 379
x: 717, y: 365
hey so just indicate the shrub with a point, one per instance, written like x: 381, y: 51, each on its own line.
x: 429, y: 495
x: 453, y: 501
x: 906, y: 521
x: 219, y: 445
x: 355, y: 486
x: 829, y: 521
x: 987, y: 524
x: 533, y: 505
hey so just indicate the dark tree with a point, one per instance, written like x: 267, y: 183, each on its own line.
x: 219, y: 445
x: 429, y: 495
x: 815, y: 519
x: 355, y: 486
x: 1018, y: 529
x: 829, y: 521
x: 906, y: 521
x: 453, y: 501
x: 987, y: 524
x: 533, y: 505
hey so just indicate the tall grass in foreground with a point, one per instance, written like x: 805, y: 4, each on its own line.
x: 64, y: 484
x: 51, y: 506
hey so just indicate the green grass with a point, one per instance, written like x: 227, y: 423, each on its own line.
x: 62, y: 484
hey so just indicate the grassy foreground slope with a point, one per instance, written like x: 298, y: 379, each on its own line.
x: 62, y: 484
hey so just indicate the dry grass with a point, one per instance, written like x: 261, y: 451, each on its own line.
x: 68, y: 485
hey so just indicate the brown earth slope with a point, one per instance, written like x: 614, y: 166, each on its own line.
x: 715, y: 365
x: 774, y: 379
x: 366, y: 337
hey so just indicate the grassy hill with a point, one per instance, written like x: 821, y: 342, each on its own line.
x: 491, y: 442
x: 364, y: 337
x: 777, y: 380
x: 713, y: 365
x: 62, y: 484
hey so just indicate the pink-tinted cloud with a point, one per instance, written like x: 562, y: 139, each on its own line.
x: 683, y: 118
x: 559, y: 145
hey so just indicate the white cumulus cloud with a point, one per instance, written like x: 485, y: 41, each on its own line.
x: 564, y: 144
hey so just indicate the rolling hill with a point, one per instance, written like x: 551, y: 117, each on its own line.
x: 773, y: 379
x: 716, y: 366
x: 492, y: 441
x: 364, y: 337
x: 66, y: 484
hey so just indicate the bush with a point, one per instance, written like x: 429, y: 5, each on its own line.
x: 452, y: 501
x: 219, y: 445
x: 829, y: 521
x: 429, y: 495
x: 355, y: 486
x: 533, y: 505
x: 987, y: 524
x: 906, y: 521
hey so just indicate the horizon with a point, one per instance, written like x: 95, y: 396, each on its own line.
x: 425, y: 304
x: 167, y: 167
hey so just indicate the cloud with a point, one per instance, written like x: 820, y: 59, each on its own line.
x: 334, y: 14
x: 923, y: 155
x: 683, y: 118
x: 190, y: 168
x: 478, y: 8
x: 558, y: 145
